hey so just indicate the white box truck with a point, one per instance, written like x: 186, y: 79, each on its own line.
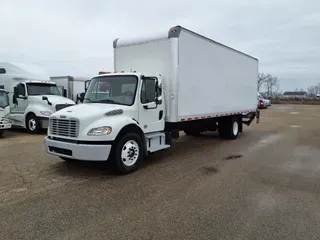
x: 179, y: 81
x: 33, y: 97
x: 70, y: 86
x: 4, y: 110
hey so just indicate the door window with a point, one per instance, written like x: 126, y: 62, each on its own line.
x: 21, y: 90
x: 148, y: 93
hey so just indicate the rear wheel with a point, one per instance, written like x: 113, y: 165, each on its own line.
x: 128, y: 154
x: 229, y: 128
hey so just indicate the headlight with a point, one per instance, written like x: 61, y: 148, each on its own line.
x: 45, y: 113
x: 100, y: 131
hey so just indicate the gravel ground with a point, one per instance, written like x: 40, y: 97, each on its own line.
x: 264, y: 185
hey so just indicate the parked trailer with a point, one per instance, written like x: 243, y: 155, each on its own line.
x: 180, y: 81
x: 33, y: 97
x: 70, y: 87
x: 4, y: 111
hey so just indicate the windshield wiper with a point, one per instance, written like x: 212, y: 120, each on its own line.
x: 89, y: 99
x: 107, y: 101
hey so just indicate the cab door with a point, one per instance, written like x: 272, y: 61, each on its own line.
x: 21, y: 99
x: 151, y: 111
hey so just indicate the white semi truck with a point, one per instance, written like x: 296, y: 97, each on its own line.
x: 33, y: 97
x: 178, y: 81
x: 4, y: 111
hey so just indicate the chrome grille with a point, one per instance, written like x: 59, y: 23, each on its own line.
x: 64, y: 127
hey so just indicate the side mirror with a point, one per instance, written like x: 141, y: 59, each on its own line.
x: 64, y: 93
x: 14, y: 100
x: 44, y: 98
x: 81, y: 97
x: 158, y: 98
x: 15, y: 91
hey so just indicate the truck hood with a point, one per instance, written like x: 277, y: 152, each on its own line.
x: 54, y: 99
x: 90, y: 111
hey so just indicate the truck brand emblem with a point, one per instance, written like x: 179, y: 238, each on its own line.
x: 63, y: 116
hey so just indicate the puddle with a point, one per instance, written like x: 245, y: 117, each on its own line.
x: 265, y: 142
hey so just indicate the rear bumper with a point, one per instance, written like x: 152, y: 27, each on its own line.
x: 85, y: 152
x: 5, y: 126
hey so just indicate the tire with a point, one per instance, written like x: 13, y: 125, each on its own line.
x: 1, y: 132
x: 127, y: 154
x: 33, y: 124
x: 229, y: 129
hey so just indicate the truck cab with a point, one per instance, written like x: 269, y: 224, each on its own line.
x: 32, y: 96
x: 120, y: 110
x: 4, y: 111
x: 33, y: 102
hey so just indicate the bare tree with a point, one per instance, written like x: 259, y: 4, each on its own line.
x: 262, y: 77
x: 314, y: 90
x: 271, y: 83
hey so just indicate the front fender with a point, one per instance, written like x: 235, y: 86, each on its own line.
x: 36, y: 109
x: 117, y: 123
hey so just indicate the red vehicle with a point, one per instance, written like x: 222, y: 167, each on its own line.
x: 261, y: 104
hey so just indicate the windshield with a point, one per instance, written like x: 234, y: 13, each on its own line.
x: 42, y: 89
x: 4, y: 99
x: 112, y: 89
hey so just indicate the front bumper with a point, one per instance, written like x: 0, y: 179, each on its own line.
x: 44, y: 121
x: 5, y: 126
x: 85, y: 152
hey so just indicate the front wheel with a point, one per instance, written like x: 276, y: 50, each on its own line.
x: 128, y: 153
x: 32, y: 124
x: 1, y: 132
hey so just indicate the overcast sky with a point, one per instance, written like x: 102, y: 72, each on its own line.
x: 74, y: 37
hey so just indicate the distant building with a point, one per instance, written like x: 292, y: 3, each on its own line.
x: 299, y: 95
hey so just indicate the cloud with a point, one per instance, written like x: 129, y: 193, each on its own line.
x: 75, y: 37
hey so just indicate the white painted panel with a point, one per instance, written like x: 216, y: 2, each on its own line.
x: 214, y: 78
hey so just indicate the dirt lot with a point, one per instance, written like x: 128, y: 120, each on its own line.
x: 264, y: 185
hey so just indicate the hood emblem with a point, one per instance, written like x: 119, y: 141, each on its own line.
x: 63, y: 116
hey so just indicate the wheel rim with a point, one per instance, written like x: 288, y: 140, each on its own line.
x: 130, y: 153
x: 235, y: 128
x: 32, y: 124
